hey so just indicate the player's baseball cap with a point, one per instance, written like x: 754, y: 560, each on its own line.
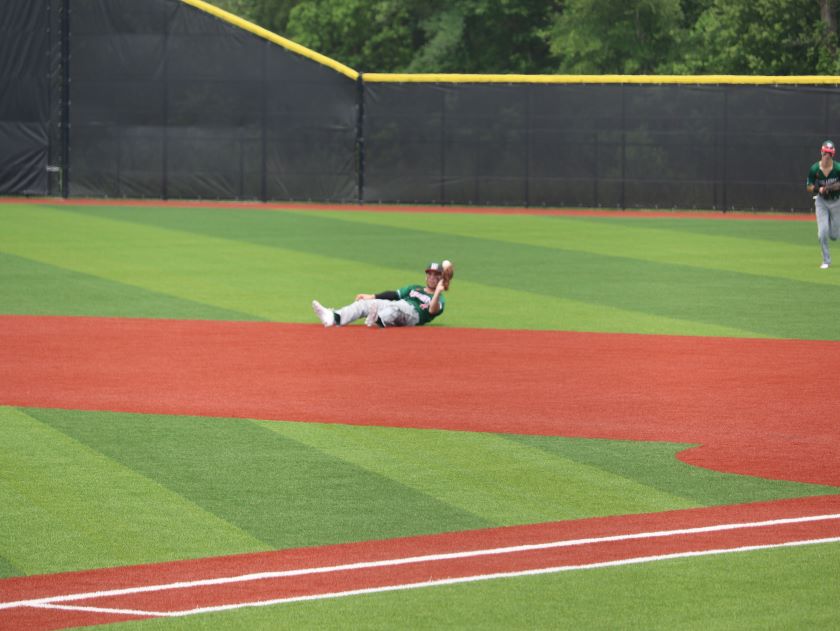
x: 827, y: 147
x: 434, y: 267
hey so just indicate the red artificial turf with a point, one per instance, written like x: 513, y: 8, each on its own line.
x: 753, y: 406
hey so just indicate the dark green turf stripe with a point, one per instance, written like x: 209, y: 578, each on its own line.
x: 33, y: 288
x: 485, y: 474
x: 66, y: 506
x: 760, y: 304
x: 275, y: 489
x: 7, y: 569
x: 783, y: 232
x: 655, y: 465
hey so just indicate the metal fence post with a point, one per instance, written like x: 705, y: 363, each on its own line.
x: 360, y: 138
x: 65, y: 99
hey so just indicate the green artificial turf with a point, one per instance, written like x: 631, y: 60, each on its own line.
x: 85, y: 490
x: 40, y: 289
x: 613, y: 273
x: 94, y: 489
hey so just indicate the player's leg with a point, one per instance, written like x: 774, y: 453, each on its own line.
x: 397, y: 313
x: 342, y: 316
x: 355, y: 311
x: 833, y: 219
x: 823, y: 229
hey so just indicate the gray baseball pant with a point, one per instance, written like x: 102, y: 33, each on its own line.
x: 828, y: 223
x: 391, y: 312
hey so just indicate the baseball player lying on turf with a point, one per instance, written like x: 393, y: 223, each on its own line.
x: 411, y: 305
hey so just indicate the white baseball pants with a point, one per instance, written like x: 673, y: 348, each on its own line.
x: 390, y: 312
x: 828, y: 224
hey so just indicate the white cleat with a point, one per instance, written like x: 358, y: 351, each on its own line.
x: 825, y: 266
x: 324, y: 315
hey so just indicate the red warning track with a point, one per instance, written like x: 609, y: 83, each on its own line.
x: 757, y: 407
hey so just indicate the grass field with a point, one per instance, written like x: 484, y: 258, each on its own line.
x: 93, y: 489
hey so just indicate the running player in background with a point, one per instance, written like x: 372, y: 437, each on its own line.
x: 824, y: 183
x: 411, y: 305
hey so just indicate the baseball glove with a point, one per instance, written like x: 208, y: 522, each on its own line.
x: 831, y: 188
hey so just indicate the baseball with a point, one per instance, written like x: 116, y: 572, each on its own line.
x: 446, y: 264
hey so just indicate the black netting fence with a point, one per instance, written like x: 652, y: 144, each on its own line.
x: 29, y: 59
x: 590, y: 145
x: 171, y: 102
x: 160, y: 99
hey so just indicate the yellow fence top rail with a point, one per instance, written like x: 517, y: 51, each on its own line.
x: 376, y: 77
x: 273, y: 37
x: 380, y: 77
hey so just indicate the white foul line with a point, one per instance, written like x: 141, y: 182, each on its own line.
x: 52, y: 602
x: 433, y: 583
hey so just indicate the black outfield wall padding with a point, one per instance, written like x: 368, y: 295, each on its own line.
x: 715, y: 146
x: 177, y: 99
x: 25, y: 105
x: 171, y: 102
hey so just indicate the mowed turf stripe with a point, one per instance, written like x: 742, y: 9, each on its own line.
x: 66, y: 505
x: 33, y: 288
x: 221, y: 272
x: 652, y: 240
x: 8, y: 569
x: 277, y: 481
x: 268, y: 283
x: 503, y: 481
x: 277, y: 490
x: 623, y: 276
x: 784, y: 229
x: 656, y: 465
x: 778, y: 250
x: 756, y: 288
x: 765, y: 248
x: 513, y: 479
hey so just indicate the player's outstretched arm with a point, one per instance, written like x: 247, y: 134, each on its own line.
x: 434, y: 305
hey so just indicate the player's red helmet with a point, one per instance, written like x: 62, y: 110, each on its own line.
x: 827, y: 147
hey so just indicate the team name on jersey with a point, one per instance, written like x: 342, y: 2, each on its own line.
x: 422, y: 296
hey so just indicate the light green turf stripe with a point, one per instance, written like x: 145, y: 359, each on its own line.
x: 482, y: 306
x: 467, y: 469
x: 219, y: 272
x: 278, y: 284
x: 642, y: 242
x: 65, y: 506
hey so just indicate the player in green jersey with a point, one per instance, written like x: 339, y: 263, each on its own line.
x: 411, y: 305
x: 824, y: 183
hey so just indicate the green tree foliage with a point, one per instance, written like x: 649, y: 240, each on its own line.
x: 270, y: 14
x: 428, y: 35
x: 780, y: 37
x: 497, y: 36
x: 616, y: 36
x: 369, y: 36
x: 773, y: 37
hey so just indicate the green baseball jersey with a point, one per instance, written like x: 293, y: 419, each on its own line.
x: 818, y: 178
x: 420, y: 300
